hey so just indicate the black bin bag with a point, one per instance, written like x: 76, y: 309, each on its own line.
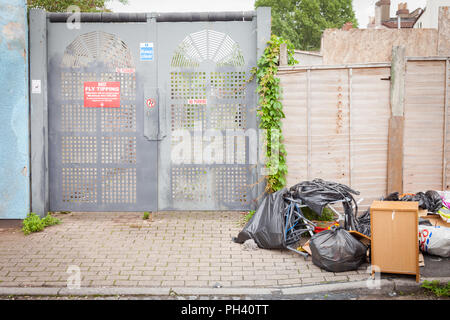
x: 266, y: 227
x: 336, y: 250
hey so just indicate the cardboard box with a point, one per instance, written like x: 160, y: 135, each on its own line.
x: 361, y: 237
x: 436, y: 220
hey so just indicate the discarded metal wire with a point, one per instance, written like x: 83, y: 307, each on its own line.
x: 318, y: 193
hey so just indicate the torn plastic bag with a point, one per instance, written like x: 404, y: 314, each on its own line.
x: 318, y: 193
x: 266, y: 227
x: 394, y: 196
x: 425, y: 222
x: 430, y: 200
x: 434, y: 201
x: 435, y: 240
x: 337, y: 250
x: 363, y: 225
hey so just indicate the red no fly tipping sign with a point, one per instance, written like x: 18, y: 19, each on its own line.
x: 102, y: 94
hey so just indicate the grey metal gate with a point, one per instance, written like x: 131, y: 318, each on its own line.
x: 99, y: 158
x: 126, y: 93
x: 204, y: 70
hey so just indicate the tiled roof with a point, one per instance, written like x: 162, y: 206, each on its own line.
x: 393, y: 24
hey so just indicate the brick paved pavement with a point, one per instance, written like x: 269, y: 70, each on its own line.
x: 176, y: 249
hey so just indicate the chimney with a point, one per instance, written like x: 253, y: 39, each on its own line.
x: 371, y: 23
x: 382, y: 11
x: 347, y: 26
x: 377, y: 19
x: 403, y: 10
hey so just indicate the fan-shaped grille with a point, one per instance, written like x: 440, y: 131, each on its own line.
x: 97, y: 46
x: 207, y: 45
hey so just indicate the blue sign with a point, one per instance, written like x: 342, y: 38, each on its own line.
x: 147, y: 51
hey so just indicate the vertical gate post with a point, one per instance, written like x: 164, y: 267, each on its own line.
x: 283, y: 55
x: 38, y: 112
x: 263, y: 31
x: 396, y: 122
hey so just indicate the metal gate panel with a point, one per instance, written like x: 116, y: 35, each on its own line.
x: 210, y: 112
x: 99, y: 158
x: 123, y: 156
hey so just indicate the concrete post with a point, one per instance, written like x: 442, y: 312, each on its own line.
x: 444, y: 32
x: 264, y: 26
x: 283, y: 55
x: 396, y: 122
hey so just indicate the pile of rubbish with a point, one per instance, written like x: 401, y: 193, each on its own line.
x: 435, y: 202
x: 317, y: 194
x: 434, y: 240
x: 279, y: 223
x: 430, y: 200
x: 342, y: 245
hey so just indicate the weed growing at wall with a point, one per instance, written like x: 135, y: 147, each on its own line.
x: 33, y: 223
x: 440, y: 290
x: 270, y: 110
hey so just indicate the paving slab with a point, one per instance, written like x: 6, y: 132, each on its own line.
x: 114, y: 250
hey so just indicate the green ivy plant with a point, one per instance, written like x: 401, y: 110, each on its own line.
x: 270, y: 110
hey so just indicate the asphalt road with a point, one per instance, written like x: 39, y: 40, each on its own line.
x: 435, y: 266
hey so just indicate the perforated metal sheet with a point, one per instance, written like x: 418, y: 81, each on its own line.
x: 99, y: 158
x: 125, y: 159
x: 204, y: 164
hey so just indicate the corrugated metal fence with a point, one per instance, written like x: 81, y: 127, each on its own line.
x: 337, y: 124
